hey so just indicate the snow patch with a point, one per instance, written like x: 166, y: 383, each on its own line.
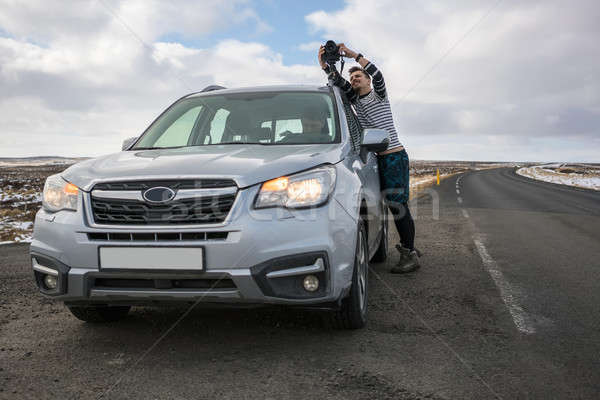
x: 543, y: 173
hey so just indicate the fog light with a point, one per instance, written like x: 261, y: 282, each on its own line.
x: 311, y: 283
x: 50, y: 281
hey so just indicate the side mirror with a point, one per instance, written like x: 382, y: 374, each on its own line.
x: 128, y: 142
x: 376, y: 140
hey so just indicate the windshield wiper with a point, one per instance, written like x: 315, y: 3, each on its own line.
x: 156, y: 148
x: 233, y: 142
x: 262, y: 144
x: 216, y: 144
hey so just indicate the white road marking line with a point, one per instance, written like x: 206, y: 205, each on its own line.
x: 457, y: 191
x: 464, y: 213
x: 520, y: 317
x: 460, y: 199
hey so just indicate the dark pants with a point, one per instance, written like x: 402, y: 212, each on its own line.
x: 395, y: 182
x: 404, y: 224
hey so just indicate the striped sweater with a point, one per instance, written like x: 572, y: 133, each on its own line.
x: 373, y: 109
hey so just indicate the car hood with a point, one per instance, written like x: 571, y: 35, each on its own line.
x: 246, y: 164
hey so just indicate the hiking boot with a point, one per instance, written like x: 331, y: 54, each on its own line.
x: 404, y: 251
x: 407, y: 263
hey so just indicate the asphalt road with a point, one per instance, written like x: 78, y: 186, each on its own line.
x: 505, y: 306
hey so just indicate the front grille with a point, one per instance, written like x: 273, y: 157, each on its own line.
x: 208, y: 209
x: 111, y: 283
x: 156, y: 236
x: 205, y: 210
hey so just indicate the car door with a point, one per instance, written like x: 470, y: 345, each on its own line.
x: 365, y: 166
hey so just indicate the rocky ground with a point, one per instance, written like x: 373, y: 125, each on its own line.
x: 20, y: 198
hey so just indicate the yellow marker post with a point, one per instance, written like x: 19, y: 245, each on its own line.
x: 438, y: 175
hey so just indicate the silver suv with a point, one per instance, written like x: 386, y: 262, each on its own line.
x: 266, y: 195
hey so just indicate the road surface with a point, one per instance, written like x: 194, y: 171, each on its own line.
x: 505, y: 306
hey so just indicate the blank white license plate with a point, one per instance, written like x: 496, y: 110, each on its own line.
x: 185, y: 258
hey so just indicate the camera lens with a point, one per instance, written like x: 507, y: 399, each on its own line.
x: 332, y: 52
x: 330, y: 46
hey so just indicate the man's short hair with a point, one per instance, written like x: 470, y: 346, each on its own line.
x: 355, y: 68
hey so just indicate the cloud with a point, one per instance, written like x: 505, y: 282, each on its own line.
x: 523, y: 83
x: 526, y: 70
x: 148, y: 19
x: 62, y: 104
x: 311, y: 46
x: 79, y: 81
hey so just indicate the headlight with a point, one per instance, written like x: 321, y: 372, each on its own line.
x: 59, y: 194
x: 306, y: 189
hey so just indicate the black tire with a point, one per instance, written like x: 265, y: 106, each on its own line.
x: 353, y: 311
x: 99, y: 313
x: 381, y: 253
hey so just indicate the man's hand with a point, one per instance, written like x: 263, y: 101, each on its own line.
x: 321, y: 52
x: 346, y: 52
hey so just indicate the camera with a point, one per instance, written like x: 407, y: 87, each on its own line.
x: 332, y: 53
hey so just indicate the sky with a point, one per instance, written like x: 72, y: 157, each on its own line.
x: 490, y: 80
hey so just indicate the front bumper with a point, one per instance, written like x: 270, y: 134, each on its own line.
x: 239, y: 255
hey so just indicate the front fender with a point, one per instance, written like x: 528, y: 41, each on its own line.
x: 349, y: 190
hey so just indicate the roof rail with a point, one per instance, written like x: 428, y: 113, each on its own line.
x: 210, y: 88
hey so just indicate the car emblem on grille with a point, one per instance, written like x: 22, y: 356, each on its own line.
x: 158, y: 194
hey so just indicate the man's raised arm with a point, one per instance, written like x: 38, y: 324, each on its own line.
x: 376, y: 75
x: 337, y: 78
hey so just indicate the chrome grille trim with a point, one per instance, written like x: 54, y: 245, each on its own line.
x: 173, y: 182
x: 199, y: 193
x: 118, y: 194
x: 180, y: 195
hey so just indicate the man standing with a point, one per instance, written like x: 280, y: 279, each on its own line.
x: 373, y: 111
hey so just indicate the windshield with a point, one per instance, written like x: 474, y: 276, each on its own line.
x: 266, y: 118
